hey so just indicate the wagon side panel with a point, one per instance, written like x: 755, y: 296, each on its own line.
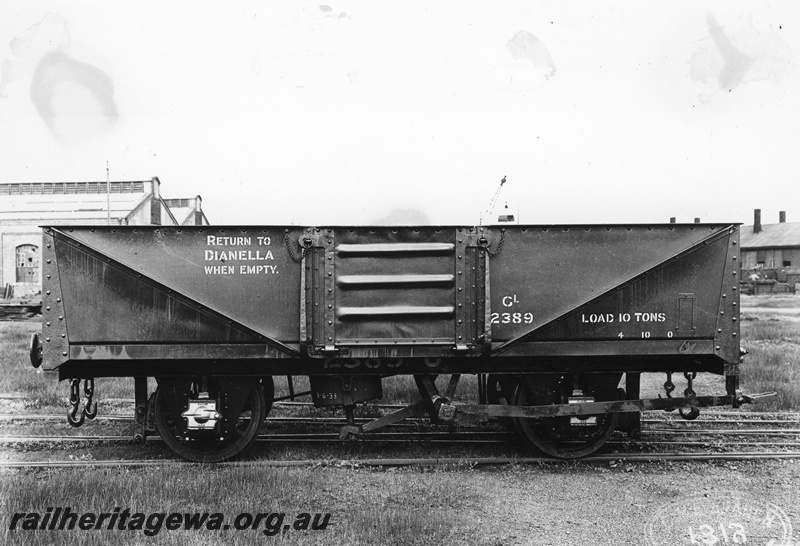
x: 617, y: 290
x: 168, y: 287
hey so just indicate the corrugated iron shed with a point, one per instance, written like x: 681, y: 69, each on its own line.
x: 782, y: 235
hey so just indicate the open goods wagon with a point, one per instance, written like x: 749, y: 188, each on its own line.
x: 553, y: 319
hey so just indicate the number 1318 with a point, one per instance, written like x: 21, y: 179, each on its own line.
x: 733, y: 533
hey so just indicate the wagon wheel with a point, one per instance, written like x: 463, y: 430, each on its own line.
x: 214, y: 445
x: 566, y: 437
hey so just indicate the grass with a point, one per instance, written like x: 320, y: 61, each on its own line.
x: 771, y: 336
x: 774, y: 367
x: 385, y: 508
x: 773, y: 361
x: 772, y: 330
x: 17, y: 376
x: 771, y: 301
x: 41, y: 389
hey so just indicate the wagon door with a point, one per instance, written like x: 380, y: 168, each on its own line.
x: 393, y: 292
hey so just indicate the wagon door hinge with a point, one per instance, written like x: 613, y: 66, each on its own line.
x: 332, y: 350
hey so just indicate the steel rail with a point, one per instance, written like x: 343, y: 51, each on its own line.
x: 122, y: 417
x: 425, y: 462
x: 794, y: 415
x: 311, y: 438
x: 729, y: 432
x: 680, y: 426
x: 477, y: 437
x: 716, y: 444
x: 683, y: 422
x: 310, y: 418
x: 506, y: 438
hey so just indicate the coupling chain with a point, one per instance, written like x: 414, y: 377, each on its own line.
x: 485, y: 244
x: 306, y: 248
x: 694, y: 411
x: 689, y: 392
x: 89, y: 408
x: 669, y: 386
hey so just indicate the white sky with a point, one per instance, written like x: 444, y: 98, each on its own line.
x: 341, y: 112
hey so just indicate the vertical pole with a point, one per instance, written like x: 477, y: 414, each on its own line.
x: 108, y: 193
x: 732, y: 388
x: 140, y: 401
x: 632, y: 382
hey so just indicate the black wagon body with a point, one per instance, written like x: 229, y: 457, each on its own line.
x: 549, y: 316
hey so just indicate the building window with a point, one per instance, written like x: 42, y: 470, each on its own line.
x: 787, y: 263
x: 28, y: 263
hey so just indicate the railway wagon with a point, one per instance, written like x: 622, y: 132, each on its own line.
x: 557, y: 321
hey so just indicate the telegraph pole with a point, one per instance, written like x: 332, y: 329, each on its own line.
x: 108, y: 193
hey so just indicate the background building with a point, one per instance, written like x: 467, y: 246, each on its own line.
x: 770, y: 255
x: 26, y: 206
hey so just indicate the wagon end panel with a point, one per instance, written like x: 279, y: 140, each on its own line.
x: 55, y: 346
x: 658, y: 290
x: 151, y: 294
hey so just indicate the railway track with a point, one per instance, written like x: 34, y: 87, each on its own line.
x: 764, y: 436
x: 447, y: 438
x: 791, y: 419
x: 416, y: 462
x: 690, y: 450
x: 650, y: 435
x: 664, y: 424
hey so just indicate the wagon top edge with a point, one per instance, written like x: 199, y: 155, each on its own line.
x: 708, y: 225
